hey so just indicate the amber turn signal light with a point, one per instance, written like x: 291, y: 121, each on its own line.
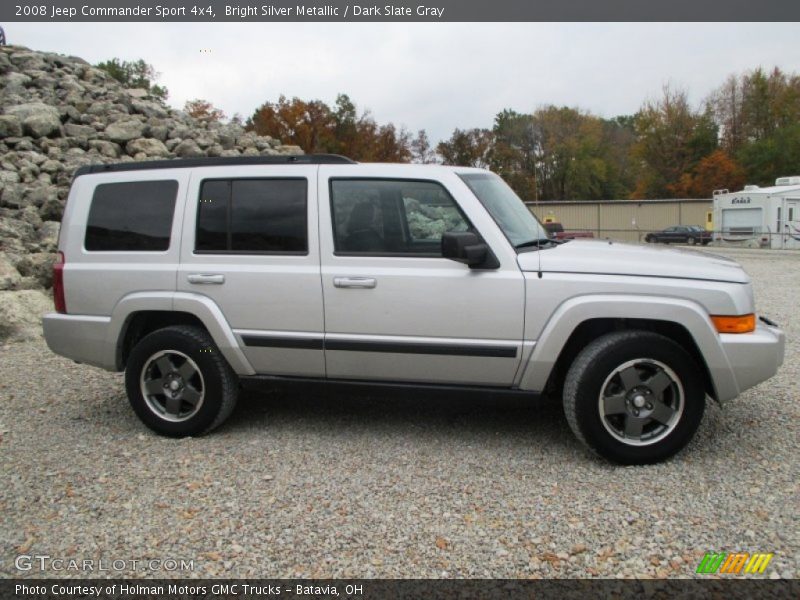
x: 740, y: 324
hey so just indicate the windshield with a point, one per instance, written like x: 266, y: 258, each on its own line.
x: 517, y: 222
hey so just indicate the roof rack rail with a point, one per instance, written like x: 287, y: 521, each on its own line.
x: 222, y: 161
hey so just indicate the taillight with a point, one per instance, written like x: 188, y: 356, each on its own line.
x: 58, y: 284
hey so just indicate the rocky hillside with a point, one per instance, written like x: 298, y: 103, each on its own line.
x: 59, y: 113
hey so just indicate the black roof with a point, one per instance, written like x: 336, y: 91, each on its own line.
x: 222, y: 161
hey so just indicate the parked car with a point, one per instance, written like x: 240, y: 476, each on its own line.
x: 680, y: 234
x: 196, y: 275
x: 557, y: 231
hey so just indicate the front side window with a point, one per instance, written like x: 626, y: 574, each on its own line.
x: 134, y: 216
x: 252, y: 216
x: 509, y: 212
x: 404, y: 217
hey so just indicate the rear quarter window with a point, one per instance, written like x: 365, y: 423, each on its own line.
x: 134, y: 216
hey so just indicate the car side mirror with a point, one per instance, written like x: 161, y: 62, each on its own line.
x: 468, y: 248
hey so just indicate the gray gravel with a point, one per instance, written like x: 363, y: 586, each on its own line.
x: 306, y: 484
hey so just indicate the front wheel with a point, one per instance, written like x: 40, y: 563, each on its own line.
x: 634, y: 397
x: 692, y: 241
x: 178, y: 383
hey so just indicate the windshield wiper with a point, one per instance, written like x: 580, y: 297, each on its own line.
x: 536, y: 242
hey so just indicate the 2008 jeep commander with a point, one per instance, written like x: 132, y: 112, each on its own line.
x: 192, y: 274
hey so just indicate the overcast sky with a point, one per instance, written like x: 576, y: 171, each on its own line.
x: 435, y: 76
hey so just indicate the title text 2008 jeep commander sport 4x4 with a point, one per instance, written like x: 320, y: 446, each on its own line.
x: 192, y: 274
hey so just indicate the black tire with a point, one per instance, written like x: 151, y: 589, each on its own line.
x: 212, y: 380
x: 692, y: 241
x: 649, y: 239
x: 594, y: 369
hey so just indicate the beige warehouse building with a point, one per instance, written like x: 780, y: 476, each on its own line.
x: 627, y: 220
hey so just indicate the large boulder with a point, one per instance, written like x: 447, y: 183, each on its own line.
x: 39, y: 267
x: 21, y: 314
x: 48, y: 235
x: 188, y: 149
x: 28, y: 61
x: 124, y: 131
x: 10, y: 126
x: 38, y: 119
x: 148, y: 147
x: 9, y: 276
x: 149, y: 109
x: 42, y: 125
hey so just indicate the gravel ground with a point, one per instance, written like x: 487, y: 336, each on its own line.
x: 315, y: 484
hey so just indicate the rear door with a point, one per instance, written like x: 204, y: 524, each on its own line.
x: 250, y: 244
x: 394, y: 308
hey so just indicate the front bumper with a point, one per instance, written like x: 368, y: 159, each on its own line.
x: 754, y: 357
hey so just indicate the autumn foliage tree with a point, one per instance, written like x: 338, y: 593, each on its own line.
x: 671, y: 138
x: 203, y: 110
x: 341, y: 129
x: 716, y: 171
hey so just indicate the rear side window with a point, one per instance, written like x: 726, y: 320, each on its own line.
x: 134, y: 216
x: 252, y: 216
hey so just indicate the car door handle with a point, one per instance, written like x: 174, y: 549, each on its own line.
x: 366, y: 283
x: 206, y: 278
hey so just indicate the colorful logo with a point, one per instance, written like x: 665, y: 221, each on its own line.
x: 734, y: 563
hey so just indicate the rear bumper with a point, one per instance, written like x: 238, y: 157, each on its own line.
x: 754, y: 357
x: 81, y: 338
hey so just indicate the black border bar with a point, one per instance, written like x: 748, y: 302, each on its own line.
x: 402, y: 11
x: 733, y: 587
x: 439, y: 349
x: 258, y: 341
x: 422, y: 348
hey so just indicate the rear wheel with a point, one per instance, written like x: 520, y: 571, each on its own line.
x: 634, y: 397
x: 692, y: 241
x: 178, y: 383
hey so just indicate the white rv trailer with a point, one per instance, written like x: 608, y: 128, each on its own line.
x: 759, y: 217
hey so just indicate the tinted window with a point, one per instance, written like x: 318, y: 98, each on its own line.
x: 252, y: 216
x: 212, y: 216
x: 135, y: 216
x: 392, y: 217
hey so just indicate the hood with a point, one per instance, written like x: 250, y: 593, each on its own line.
x: 617, y: 258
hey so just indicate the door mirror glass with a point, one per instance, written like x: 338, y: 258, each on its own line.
x: 468, y: 248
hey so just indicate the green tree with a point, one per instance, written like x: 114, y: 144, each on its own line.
x: 421, y: 150
x: 515, y: 151
x: 467, y: 148
x: 773, y: 156
x: 758, y: 113
x: 135, y: 74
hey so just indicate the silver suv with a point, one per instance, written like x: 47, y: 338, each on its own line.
x: 194, y: 275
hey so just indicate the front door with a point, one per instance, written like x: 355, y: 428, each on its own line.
x: 791, y: 226
x: 254, y: 251
x: 394, y: 308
